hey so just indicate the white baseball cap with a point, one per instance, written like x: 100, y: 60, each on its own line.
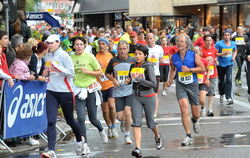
x: 53, y: 38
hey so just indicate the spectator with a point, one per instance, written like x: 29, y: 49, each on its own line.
x: 19, y: 67
x: 37, y: 64
x: 20, y: 26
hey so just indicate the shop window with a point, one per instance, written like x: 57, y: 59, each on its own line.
x: 213, y: 15
x: 244, y: 18
x: 229, y: 15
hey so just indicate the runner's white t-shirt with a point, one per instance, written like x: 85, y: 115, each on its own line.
x: 154, y: 55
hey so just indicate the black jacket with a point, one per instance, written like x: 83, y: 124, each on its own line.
x: 33, y: 66
x: 25, y: 31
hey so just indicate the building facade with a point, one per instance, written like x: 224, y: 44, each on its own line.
x: 56, y: 7
x: 162, y: 13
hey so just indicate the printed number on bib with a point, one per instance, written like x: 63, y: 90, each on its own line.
x: 228, y: 51
x: 200, y: 78
x: 211, y: 70
x: 185, y: 77
x: 94, y: 87
x: 239, y: 40
x: 103, y: 78
x: 166, y: 59
x: 131, y: 54
x: 137, y: 71
x: 122, y: 76
x: 153, y: 60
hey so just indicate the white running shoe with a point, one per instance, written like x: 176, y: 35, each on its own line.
x: 114, y: 133
x: 33, y: 142
x: 230, y: 101
x: 49, y: 154
x: 104, y: 136
x: 128, y: 140
x: 164, y: 93
x: 187, y: 141
x: 82, y: 149
x: 109, y: 133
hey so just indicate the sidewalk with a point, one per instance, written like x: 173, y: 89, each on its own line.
x: 24, y: 147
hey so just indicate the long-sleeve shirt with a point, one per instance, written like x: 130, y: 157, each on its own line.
x: 4, y: 71
x: 61, y: 79
x: 20, y: 69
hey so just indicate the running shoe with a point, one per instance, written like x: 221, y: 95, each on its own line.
x: 103, y: 136
x: 158, y: 143
x: 82, y: 149
x: 210, y: 113
x: 114, y: 133
x: 33, y: 142
x: 230, y: 101
x: 136, y: 152
x: 164, y: 93
x: 109, y: 133
x: 187, y: 141
x: 128, y: 140
x: 49, y: 154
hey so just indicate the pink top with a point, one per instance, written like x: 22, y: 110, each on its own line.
x: 20, y: 69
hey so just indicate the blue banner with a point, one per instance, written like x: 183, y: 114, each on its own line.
x: 24, y: 109
x: 43, y: 16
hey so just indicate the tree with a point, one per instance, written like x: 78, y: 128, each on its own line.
x: 31, y: 5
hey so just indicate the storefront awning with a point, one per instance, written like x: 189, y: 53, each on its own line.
x: 100, y: 6
x: 232, y: 2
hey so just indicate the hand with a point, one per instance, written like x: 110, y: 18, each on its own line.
x: 185, y: 68
x: 134, y: 75
x: 210, y: 59
x: 127, y: 81
x: 10, y: 82
x: 248, y: 58
x: 116, y: 83
x: 41, y: 78
x: 46, y: 72
x: 207, y: 82
x: 84, y: 70
x: 162, y: 60
x: 169, y: 83
x: 31, y: 78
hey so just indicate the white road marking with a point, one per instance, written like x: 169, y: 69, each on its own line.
x: 243, y: 121
x: 193, y: 147
x: 236, y: 146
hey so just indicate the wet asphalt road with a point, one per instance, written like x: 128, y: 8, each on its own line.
x: 225, y: 135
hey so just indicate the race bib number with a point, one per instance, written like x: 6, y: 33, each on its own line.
x: 211, y: 70
x: 122, y: 76
x: 103, y: 78
x: 166, y: 59
x: 131, y: 54
x: 200, y: 78
x: 153, y: 60
x: 239, y: 40
x: 94, y: 87
x: 137, y: 72
x: 185, y: 77
x: 228, y: 52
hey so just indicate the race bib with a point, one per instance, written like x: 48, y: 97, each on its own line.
x: 137, y: 71
x: 131, y: 54
x: 211, y: 70
x: 200, y: 78
x: 153, y: 60
x: 185, y: 77
x: 229, y: 52
x: 239, y: 40
x: 166, y: 59
x: 103, y: 78
x: 122, y: 76
x: 94, y: 87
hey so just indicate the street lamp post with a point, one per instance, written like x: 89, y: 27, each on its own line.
x: 6, y: 6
